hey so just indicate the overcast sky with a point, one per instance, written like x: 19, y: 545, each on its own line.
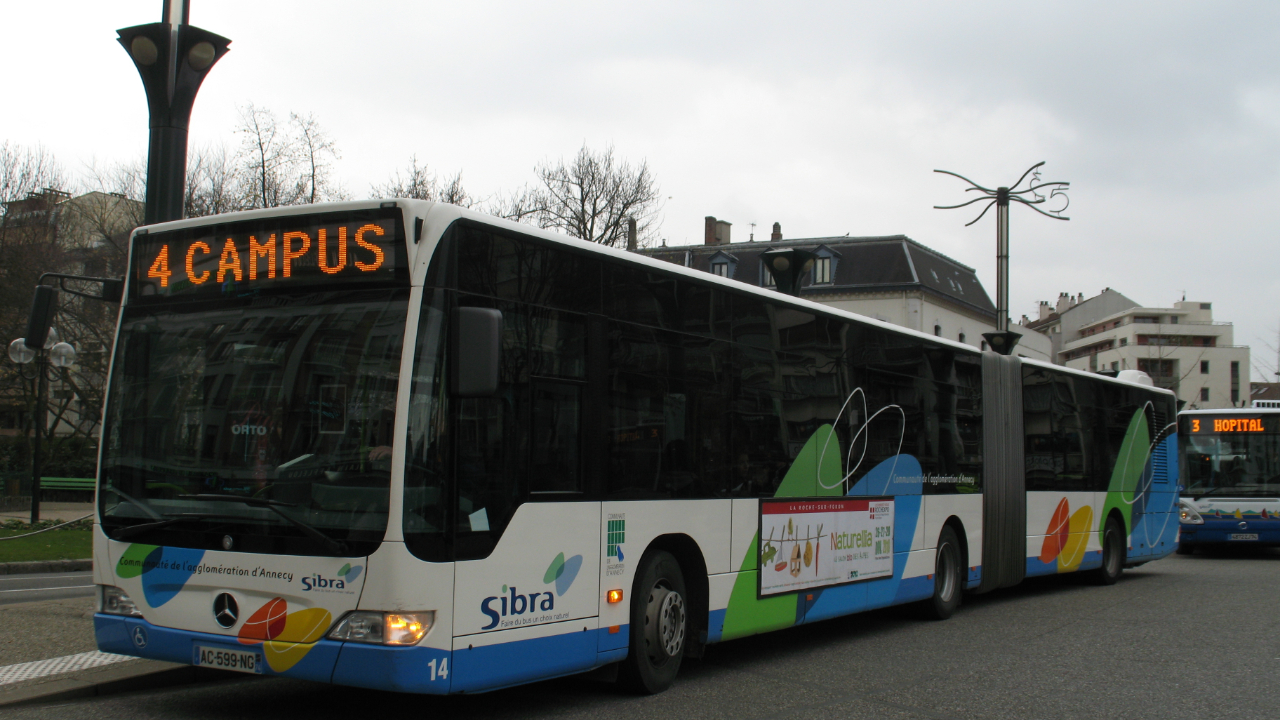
x: 826, y: 117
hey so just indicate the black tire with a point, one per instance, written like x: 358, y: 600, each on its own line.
x: 948, y: 577
x: 659, y: 625
x: 1113, y: 553
x: 1185, y: 549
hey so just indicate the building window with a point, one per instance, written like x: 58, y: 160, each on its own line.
x: 1204, y: 367
x: 984, y: 344
x: 1204, y: 394
x: 1235, y: 382
x: 1115, y: 366
x: 1206, y: 306
x: 937, y: 330
x: 961, y: 337
x: 767, y: 280
x: 1145, y: 319
x: 1124, y: 341
x: 822, y: 271
x: 721, y: 269
x: 1173, y: 319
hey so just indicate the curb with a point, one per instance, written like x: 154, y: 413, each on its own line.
x: 45, y: 566
x: 143, y: 675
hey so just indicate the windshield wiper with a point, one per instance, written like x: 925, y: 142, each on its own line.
x: 135, y: 501
x: 131, y: 530
x: 336, y: 546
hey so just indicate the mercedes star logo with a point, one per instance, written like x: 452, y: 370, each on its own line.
x: 225, y: 610
x: 227, y: 542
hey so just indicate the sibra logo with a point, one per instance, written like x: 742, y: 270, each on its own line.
x: 562, y: 572
x: 346, y: 574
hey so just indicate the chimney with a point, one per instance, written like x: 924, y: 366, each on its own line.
x: 1044, y: 309
x: 722, y: 232
x: 777, y: 233
x: 1064, y: 302
x: 631, y: 234
x: 709, y: 238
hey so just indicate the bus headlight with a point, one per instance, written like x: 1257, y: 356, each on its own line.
x: 1188, y: 515
x: 389, y: 628
x: 116, y: 602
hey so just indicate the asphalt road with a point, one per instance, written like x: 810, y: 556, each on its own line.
x: 1185, y: 637
x: 38, y: 587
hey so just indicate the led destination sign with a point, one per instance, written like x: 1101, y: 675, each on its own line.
x: 1232, y: 425
x: 361, y: 247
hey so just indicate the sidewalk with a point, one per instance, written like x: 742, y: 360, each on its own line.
x: 60, y: 633
x: 60, y: 511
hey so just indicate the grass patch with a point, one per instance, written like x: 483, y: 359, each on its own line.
x: 72, y: 542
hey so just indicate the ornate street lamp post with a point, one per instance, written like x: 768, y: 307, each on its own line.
x: 173, y: 58
x: 1003, y: 340
x: 46, y: 355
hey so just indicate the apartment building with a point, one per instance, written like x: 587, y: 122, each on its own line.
x: 1181, y: 347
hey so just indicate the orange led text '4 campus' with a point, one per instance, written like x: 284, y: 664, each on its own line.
x: 264, y: 257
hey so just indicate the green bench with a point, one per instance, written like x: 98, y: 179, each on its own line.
x: 60, y: 483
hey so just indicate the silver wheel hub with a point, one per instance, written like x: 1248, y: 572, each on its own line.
x: 665, y: 623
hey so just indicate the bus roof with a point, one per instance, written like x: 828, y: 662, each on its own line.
x: 438, y: 216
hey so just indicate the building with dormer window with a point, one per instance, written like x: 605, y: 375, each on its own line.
x: 891, y: 278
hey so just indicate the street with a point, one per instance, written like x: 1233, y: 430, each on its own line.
x: 37, y: 587
x: 1184, y: 637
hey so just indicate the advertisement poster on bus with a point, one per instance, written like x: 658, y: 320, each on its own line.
x: 812, y: 543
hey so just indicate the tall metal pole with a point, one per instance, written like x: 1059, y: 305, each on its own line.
x: 1003, y: 339
x: 42, y: 403
x: 1002, y: 259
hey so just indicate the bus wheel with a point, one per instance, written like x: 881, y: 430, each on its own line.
x: 659, y: 623
x: 948, y: 577
x: 1113, y: 552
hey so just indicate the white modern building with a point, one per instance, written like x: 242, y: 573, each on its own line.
x: 1182, y: 348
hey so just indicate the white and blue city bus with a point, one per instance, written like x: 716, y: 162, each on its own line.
x: 1230, y: 478
x: 402, y: 445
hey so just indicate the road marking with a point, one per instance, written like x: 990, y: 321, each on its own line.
x: 57, y: 666
x: 68, y: 587
x: 50, y: 576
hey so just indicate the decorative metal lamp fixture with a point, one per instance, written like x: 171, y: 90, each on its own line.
x: 788, y: 268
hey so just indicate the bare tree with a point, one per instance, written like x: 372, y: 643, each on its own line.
x: 591, y: 197
x: 26, y: 170
x: 520, y: 205
x: 419, y: 183
x: 270, y: 159
x: 215, y: 183
x: 317, y: 151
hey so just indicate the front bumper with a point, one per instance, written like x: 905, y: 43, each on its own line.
x: 401, y: 669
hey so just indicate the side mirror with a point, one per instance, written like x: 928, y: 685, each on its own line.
x: 476, y: 351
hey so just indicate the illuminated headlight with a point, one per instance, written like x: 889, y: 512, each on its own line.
x: 1188, y: 514
x: 390, y: 628
x: 116, y: 602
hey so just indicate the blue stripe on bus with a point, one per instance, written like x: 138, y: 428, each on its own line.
x: 402, y: 669
x: 492, y: 667
x: 389, y: 668
x: 1036, y: 567
x: 122, y: 635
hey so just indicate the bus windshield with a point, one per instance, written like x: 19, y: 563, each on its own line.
x: 263, y: 423
x: 1236, y: 464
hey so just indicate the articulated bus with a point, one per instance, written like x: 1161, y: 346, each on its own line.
x: 401, y: 445
x: 1230, y: 465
